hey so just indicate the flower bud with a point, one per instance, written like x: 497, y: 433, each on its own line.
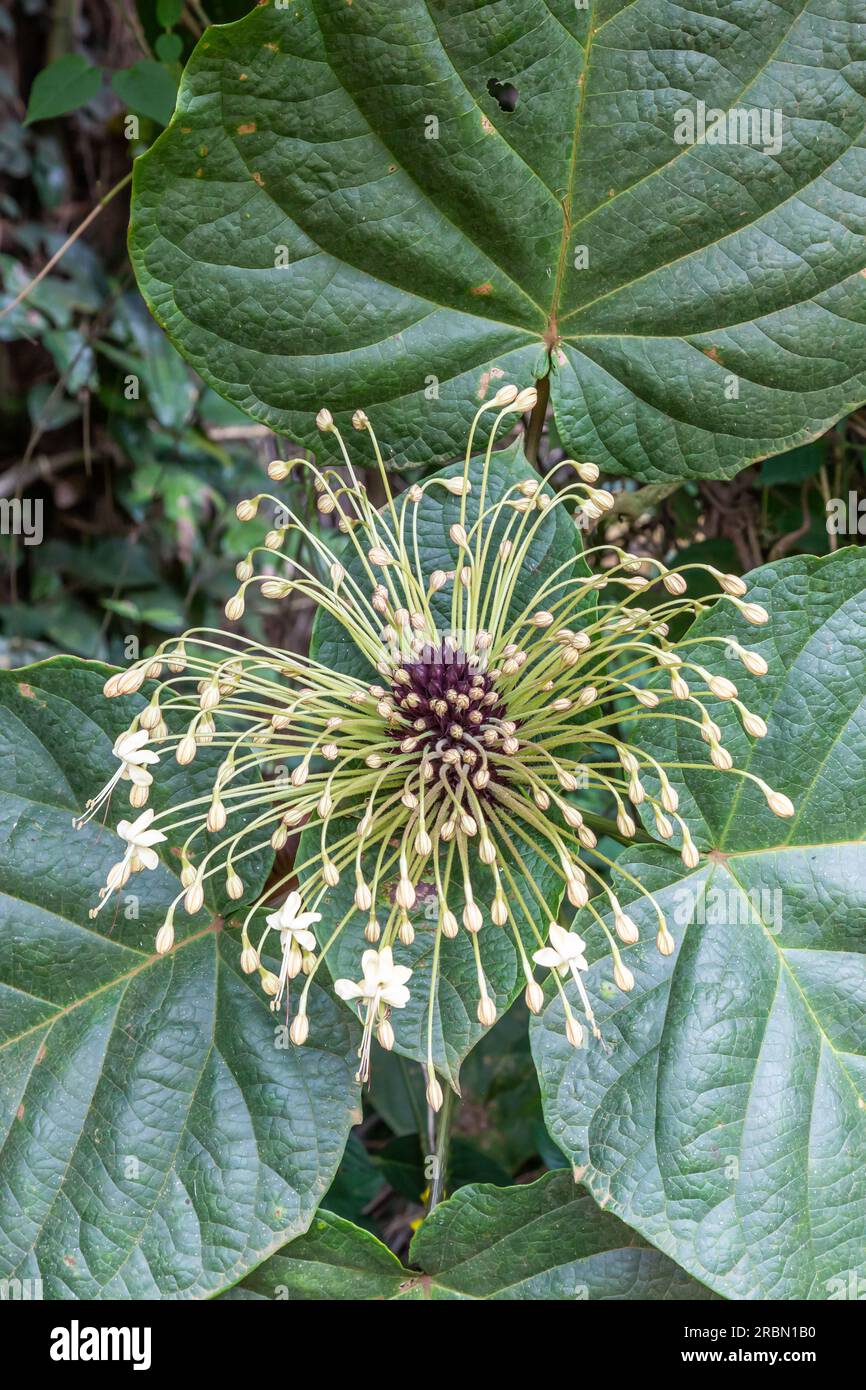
x: 164, y: 939
x: 385, y: 1035
x: 506, y: 395
x: 779, y: 804
x: 472, y: 919
x: 665, y: 942
x: 324, y: 420
x: 450, y: 927
x: 623, y: 977
x: 534, y: 997
x: 247, y: 509
x: 573, y: 1031
x: 486, y: 1011
x: 194, y: 897
x: 434, y: 1094
x: 626, y: 929
x: 249, y: 959
x: 299, y: 1029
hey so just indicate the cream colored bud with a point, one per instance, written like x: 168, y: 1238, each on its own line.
x: 434, y: 1094
x: 437, y: 579
x: 279, y: 469
x: 675, y: 583
x: 458, y: 534
x: 385, y: 1035
x: 234, y: 886
x: 577, y: 894
x: 573, y: 1031
x: 406, y: 932
x: 164, y: 939
x: 665, y: 942
x: 216, y: 817
x: 754, y: 613
x: 689, y: 854
x: 186, y: 750
x: 330, y: 873
x: 587, y: 472
x: 270, y: 982
x: 405, y: 895
x: 458, y: 486
x: 542, y: 618
x: 534, y: 996
x: 138, y: 796
x: 338, y: 574
x: 525, y: 400
x: 194, y: 897
x: 779, y: 804
x: 363, y: 897
x: 324, y: 420
x: 299, y: 1029
x: 486, y: 1011
x: 130, y: 681
x: 247, y: 508
x: 626, y: 929
x: 249, y: 960
x: 722, y: 687
x: 679, y: 687
x: 234, y: 608
x: 372, y: 931
x: 360, y: 420
x: 721, y: 758
x: 754, y: 725
x: 506, y: 395
x: 754, y: 663
x: 450, y: 926
x: 472, y: 918
x: 623, y: 977
x: 378, y: 555
x: 732, y: 584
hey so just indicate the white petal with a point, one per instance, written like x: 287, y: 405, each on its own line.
x: 396, y: 995
x: 548, y: 957
x: 347, y: 989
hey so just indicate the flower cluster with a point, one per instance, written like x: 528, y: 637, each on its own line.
x: 465, y: 742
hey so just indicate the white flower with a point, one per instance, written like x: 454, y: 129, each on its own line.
x: 565, y: 952
x: 141, y: 839
x: 383, y: 982
x: 134, y: 757
x: 295, y: 938
x: 293, y: 925
x: 383, y: 987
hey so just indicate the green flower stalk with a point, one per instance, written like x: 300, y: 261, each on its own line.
x: 466, y: 743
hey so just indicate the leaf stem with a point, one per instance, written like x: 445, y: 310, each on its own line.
x: 535, y: 427
x: 443, y: 1137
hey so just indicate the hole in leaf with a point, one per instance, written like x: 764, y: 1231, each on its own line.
x: 504, y: 92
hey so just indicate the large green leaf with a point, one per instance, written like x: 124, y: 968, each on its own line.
x: 156, y: 1139
x: 546, y: 1240
x: 725, y: 1118
x: 342, y: 212
x: 455, y: 1026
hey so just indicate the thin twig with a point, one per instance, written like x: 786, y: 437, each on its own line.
x: 50, y: 264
